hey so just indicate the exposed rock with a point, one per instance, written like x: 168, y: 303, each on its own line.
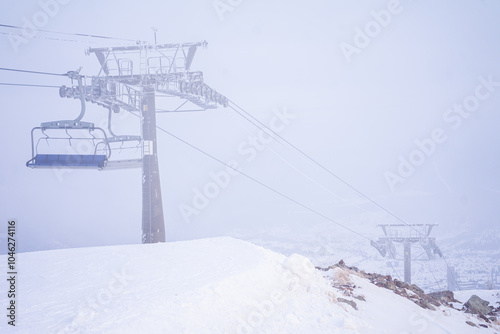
x: 431, y: 300
x: 399, y: 283
x: 360, y: 298
x: 470, y: 323
x: 424, y: 305
x: 342, y: 281
x: 342, y: 265
x: 444, y: 296
x: 484, y: 318
x: 402, y: 293
x: 416, y: 295
x: 349, y: 302
x: 476, y: 305
x: 416, y: 289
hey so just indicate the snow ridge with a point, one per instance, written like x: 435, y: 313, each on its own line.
x: 217, y: 285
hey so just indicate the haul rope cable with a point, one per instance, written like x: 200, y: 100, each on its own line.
x: 349, y: 202
x: 27, y: 85
x: 48, y: 38
x: 33, y: 72
x: 71, y: 34
x: 310, y: 159
x: 323, y: 167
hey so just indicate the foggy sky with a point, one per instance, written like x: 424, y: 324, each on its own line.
x: 362, y: 106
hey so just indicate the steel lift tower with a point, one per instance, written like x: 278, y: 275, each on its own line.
x: 129, y: 80
x: 406, y: 235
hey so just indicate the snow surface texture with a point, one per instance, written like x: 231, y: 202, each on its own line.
x: 219, y: 285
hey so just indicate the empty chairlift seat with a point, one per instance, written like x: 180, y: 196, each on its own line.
x: 68, y: 161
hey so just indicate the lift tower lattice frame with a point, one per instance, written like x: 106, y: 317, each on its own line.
x: 406, y: 234
x: 129, y: 79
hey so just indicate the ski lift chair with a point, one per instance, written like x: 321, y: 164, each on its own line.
x: 73, y: 159
x: 103, y: 145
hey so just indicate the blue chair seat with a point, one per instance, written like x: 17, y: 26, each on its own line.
x: 68, y: 160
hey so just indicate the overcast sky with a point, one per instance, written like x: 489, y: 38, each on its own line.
x: 401, y: 99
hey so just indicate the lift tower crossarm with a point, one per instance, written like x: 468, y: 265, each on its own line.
x: 147, y: 46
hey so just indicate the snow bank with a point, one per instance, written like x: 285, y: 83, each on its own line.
x: 220, y: 285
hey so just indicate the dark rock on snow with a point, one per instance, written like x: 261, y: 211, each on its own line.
x: 444, y: 296
x: 349, y: 302
x: 476, y: 305
x: 470, y: 323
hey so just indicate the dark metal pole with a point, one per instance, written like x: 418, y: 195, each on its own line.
x: 407, y: 250
x: 153, y: 226
x: 450, y: 275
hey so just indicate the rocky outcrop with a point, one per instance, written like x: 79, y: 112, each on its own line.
x: 408, y: 291
x: 342, y: 282
x: 444, y: 296
x: 476, y: 305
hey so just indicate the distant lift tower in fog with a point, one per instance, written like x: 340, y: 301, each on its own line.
x: 406, y: 235
x: 129, y: 80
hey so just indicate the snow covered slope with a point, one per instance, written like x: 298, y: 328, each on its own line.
x: 219, y: 285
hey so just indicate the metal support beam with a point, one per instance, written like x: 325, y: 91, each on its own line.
x: 451, y: 278
x: 407, y: 251
x: 153, y: 226
x: 129, y: 78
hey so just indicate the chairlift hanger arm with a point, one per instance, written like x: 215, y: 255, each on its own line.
x: 82, y: 98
